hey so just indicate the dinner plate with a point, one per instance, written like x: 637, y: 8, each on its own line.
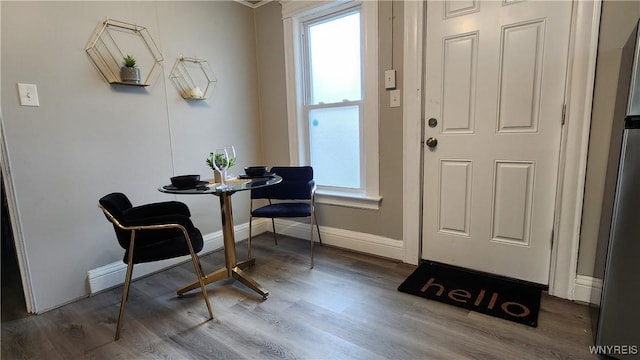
x: 200, y: 185
x: 266, y: 175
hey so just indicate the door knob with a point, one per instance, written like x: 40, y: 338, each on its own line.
x: 432, y: 142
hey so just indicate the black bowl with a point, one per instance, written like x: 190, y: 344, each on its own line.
x: 255, y: 170
x: 185, y: 181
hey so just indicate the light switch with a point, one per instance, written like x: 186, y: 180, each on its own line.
x: 28, y: 94
x: 394, y: 98
x: 390, y: 79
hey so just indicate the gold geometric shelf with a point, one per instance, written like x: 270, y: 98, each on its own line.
x: 193, y: 78
x: 106, y: 47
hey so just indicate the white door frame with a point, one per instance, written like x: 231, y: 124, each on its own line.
x: 18, y: 238
x: 583, y: 46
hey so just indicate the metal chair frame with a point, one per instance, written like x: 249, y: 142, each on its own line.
x: 312, y: 217
x: 194, y: 258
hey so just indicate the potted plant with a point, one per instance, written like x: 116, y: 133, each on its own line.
x: 129, y: 72
x: 221, y: 162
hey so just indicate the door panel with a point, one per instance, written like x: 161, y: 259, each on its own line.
x: 494, y: 80
x: 511, y: 208
x: 458, y: 85
x: 520, y: 76
x: 455, y: 197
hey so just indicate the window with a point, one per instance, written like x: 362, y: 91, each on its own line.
x: 333, y: 99
x: 332, y: 78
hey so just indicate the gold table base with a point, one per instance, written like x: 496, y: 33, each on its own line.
x: 235, y: 273
x: 232, y: 269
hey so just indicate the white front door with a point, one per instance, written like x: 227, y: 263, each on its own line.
x: 494, y: 87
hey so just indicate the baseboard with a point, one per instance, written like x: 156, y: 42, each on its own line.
x: 352, y: 240
x: 588, y: 289
x: 112, y: 275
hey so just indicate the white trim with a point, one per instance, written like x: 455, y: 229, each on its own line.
x: 371, y: 102
x: 588, y: 289
x: 346, y: 239
x: 355, y: 200
x: 293, y: 77
x: 294, y: 13
x: 585, y: 27
x: 253, y: 5
x: 16, y: 225
x: 292, y: 8
x: 411, y: 118
x: 583, y: 49
x: 112, y: 275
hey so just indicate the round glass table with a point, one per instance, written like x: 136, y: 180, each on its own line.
x: 233, y: 268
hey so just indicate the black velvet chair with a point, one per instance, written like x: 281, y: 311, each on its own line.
x: 294, y: 197
x: 153, y: 232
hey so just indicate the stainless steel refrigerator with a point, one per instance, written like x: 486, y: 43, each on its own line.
x: 618, y: 330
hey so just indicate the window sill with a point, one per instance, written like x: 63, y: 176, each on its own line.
x: 358, y: 201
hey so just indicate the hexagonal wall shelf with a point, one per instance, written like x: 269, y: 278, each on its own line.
x: 106, y: 47
x: 193, y: 78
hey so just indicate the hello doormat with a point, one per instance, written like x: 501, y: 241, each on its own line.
x: 505, y: 298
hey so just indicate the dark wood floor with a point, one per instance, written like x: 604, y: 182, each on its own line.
x: 347, y: 307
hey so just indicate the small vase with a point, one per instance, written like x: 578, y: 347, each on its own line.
x: 219, y: 176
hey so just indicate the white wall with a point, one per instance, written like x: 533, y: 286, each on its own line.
x: 271, y: 71
x: 88, y: 138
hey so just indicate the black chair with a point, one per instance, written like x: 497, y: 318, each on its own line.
x: 297, y: 185
x: 153, y: 232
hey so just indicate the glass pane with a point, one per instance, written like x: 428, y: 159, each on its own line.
x: 335, y: 146
x: 334, y: 60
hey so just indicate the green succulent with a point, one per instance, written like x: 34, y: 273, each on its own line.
x: 129, y: 61
x: 220, y: 161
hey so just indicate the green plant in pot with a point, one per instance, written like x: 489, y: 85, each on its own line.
x: 221, y: 162
x: 129, y: 72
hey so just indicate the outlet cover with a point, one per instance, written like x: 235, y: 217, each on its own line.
x: 394, y: 98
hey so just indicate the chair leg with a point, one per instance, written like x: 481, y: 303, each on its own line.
x: 275, y: 236
x: 311, y: 240
x: 204, y: 276
x: 317, y: 227
x: 198, y: 268
x: 127, y: 284
x: 249, y: 239
x: 125, y: 296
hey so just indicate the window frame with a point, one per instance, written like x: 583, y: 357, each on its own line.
x: 309, y: 105
x: 295, y: 16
